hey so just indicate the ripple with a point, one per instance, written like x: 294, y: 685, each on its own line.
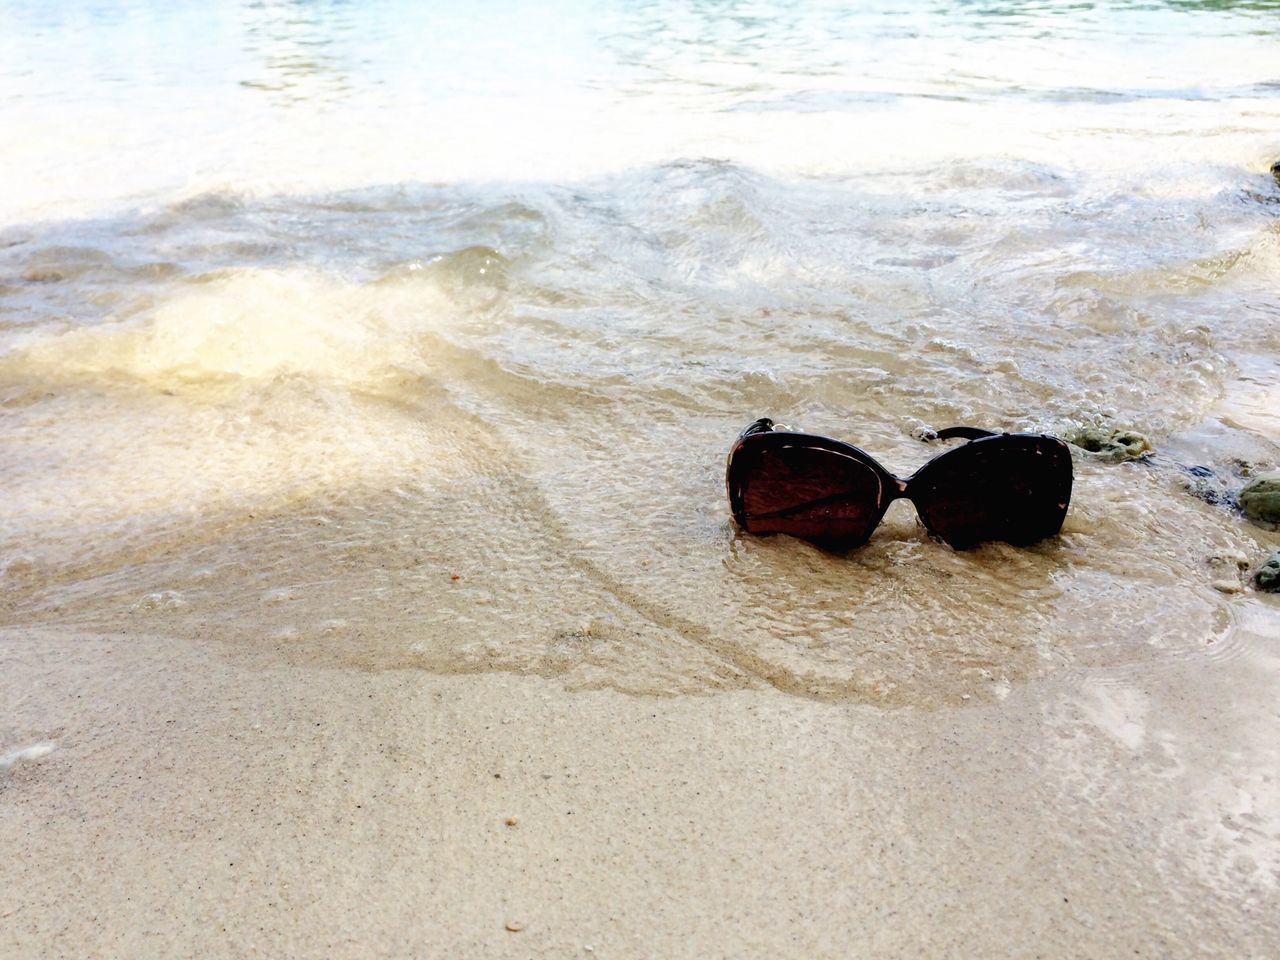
x: 478, y: 428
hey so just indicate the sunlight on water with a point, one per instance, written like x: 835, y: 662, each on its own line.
x: 274, y: 96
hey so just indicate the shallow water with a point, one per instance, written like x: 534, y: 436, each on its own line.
x: 395, y: 336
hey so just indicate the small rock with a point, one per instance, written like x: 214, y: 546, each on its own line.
x: 1267, y: 576
x: 1229, y: 559
x: 1227, y: 586
x: 515, y: 926
x: 161, y: 600
x: 1203, y: 484
x: 1114, y: 445
x: 513, y: 821
x: 1275, y: 170
x: 1260, y: 498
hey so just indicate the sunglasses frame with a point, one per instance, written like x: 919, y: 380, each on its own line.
x: 760, y: 437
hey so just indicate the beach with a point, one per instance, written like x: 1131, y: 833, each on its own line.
x: 367, y: 581
x: 204, y: 805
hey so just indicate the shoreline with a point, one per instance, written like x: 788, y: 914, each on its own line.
x: 367, y: 581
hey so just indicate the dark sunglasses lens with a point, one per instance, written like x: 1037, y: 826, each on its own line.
x: 1014, y: 489
x: 807, y: 492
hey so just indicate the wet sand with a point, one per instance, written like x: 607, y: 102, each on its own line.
x: 216, y: 801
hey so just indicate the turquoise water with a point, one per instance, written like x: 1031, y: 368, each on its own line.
x: 396, y: 334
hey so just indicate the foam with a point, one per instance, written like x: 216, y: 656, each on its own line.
x: 29, y: 754
x: 250, y: 325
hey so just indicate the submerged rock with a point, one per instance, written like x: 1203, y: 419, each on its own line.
x: 1227, y: 566
x: 1267, y: 576
x: 1275, y: 170
x: 1260, y: 498
x: 1203, y: 484
x: 1228, y: 560
x: 1110, y: 444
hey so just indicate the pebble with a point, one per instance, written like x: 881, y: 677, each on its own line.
x: 1229, y: 558
x: 513, y: 821
x: 1227, y: 586
x: 1203, y: 484
x: 161, y: 600
x: 515, y: 926
x: 1267, y: 576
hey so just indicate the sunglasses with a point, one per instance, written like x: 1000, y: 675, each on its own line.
x: 1013, y: 487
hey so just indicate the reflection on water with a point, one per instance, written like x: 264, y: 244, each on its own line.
x: 392, y: 91
x: 825, y: 56
x: 319, y: 50
x: 299, y: 44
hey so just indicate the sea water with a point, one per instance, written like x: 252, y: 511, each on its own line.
x: 414, y: 335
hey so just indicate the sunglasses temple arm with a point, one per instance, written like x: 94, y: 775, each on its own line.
x: 763, y: 425
x: 967, y: 433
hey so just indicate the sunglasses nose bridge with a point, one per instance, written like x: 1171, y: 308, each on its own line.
x: 895, y: 489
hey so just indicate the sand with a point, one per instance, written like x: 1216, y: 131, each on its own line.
x: 208, y: 800
x: 367, y: 587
